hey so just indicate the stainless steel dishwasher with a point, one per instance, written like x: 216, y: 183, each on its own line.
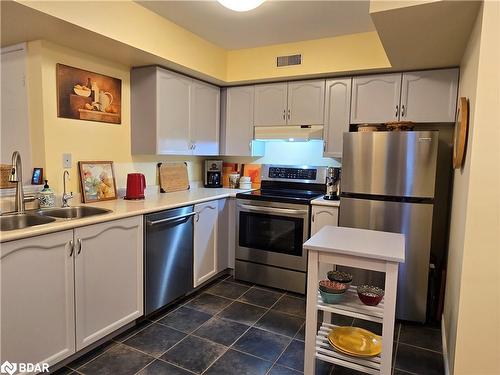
x: 168, y: 256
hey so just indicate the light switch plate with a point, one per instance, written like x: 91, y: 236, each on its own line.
x: 66, y: 160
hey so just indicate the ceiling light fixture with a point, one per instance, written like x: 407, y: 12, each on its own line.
x: 241, y: 5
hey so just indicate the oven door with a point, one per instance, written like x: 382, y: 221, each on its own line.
x: 272, y: 233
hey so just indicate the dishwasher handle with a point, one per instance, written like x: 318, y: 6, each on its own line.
x: 169, y: 219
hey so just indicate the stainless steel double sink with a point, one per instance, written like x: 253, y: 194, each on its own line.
x: 38, y: 217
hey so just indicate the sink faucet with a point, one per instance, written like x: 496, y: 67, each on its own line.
x: 16, y: 175
x: 66, y: 197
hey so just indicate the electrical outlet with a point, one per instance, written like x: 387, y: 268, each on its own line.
x: 66, y: 161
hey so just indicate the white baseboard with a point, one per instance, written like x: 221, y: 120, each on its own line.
x: 445, y: 347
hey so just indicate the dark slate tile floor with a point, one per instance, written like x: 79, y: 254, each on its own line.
x: 233, y: 327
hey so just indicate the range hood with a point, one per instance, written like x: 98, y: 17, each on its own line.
x: 301, y: 133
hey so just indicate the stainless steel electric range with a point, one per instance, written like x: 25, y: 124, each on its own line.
x: 273, y: 223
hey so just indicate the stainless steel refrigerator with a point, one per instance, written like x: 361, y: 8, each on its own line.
x: 388, y: 184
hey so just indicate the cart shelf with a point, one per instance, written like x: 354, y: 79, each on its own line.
x: 353, y: 307
x: 325, y: 352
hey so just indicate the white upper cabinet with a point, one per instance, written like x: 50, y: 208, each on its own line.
x: 270, y: 104
x: 292, y: 103
x: 173, y: 114
x: 108, y: 277
x: 37, y: 299
x: 205, y: 119
x: 205, y: 242
x: 306, y: 102
x: 375, y: 99
x: 429, y: 96
x: 237, y: 122
x: 337, y: 109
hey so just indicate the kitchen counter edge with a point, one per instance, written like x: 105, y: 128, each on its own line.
x: 124, y: 208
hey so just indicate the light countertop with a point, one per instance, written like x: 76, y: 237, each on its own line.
x: 125, y: 208
x: 320, y: 201
x: 359, y: 242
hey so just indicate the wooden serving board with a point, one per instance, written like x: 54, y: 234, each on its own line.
x: 173, y: 177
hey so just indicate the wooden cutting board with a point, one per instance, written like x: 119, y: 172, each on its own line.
x: 173, y: 177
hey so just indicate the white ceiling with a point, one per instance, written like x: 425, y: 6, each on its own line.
x: 272, y: 23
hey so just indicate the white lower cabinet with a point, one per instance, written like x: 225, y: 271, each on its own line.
x: 108, y: 278
x: 321, y: 216
x: 61, y: 292
x: 205, y: 241
x: 37, y: 299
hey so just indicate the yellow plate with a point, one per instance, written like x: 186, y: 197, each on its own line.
x: 355, y: 341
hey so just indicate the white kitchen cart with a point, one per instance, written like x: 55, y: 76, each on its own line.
x: 358, y: 248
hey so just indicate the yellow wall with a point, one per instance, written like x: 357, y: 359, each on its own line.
x: 85, y: 140
x: 472, y: 305
x: 143, y: 30
x: 129, y: 23
x: 346, y: 53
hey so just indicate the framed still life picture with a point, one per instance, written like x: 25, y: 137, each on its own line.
x: 85, y: 95
x: 97, y: 181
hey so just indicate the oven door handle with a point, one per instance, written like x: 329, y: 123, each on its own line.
x: 273, y: 209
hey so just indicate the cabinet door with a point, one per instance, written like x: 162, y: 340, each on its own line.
x: 375, y: 99
x: 205, y: 241
x: 306, y: 103
x: 223, y: 234
x: 173, y: 104
x: 108, y: 278
x: 37, y: 299
x: 270, y: 104
x: 338, y: 106
x: 323, y: 215
x: 237, y: 122
x: 429, y: 96
x: 205, y: 119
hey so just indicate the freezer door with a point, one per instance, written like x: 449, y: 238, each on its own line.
x: 414, y: 220
x: 400, y: 164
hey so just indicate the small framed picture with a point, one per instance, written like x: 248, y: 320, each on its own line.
x: 97, y: 181
x: 37, y: 178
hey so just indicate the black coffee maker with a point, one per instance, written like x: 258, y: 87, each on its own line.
x: 333, y: 184
x: 212, y: 173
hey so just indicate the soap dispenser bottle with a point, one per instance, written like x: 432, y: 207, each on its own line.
x: 46, y: 197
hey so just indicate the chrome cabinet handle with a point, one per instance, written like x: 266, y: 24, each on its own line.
x: 403, y: 111
x: 289, y: 114
x: 79, y: 246
x: 397, y: 111
x: 324, y: 146
x: 72, y: 248
x: 312, y: 217
x: 168, y: 219
x: 250, y: 145
x: 284, y: 114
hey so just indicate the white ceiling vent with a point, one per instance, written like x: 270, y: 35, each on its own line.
x: 289, y: 60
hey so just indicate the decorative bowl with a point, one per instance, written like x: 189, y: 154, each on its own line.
x: 332, y: 287
x: 370, y: 295
x: 331, y: 298
x: 340, y: 277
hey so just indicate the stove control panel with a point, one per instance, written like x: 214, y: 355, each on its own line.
x: 292, y: 173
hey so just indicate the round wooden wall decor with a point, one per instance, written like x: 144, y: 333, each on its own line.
x: 461, y: 127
